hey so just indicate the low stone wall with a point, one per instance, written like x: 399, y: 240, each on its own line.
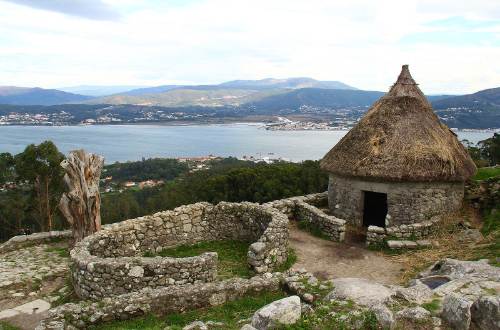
x: 20, y: 241
x: 331, y: 226
x: 112, y: 261
x: 160, y: 301
x: 377, y: 235
x: 303, y: 208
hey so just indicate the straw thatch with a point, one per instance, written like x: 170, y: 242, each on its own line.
x: 400, y: 139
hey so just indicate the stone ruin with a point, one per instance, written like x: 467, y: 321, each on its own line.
x: 113, y: 262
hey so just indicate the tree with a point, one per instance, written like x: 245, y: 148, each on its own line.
x: 40, y: 166
x: 490, y: 149
x: 6, y: 167
x: 81, y: 203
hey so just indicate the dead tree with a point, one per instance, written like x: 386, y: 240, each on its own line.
x: 81, y: 203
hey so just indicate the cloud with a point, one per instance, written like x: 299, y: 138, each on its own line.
x: 361, y: 42
x: 91, y: 9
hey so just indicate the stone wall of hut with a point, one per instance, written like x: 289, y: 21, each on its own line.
x: 408, y: 202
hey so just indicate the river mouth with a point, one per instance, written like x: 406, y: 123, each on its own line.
x: 435, y: 281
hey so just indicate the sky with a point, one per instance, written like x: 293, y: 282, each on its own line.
x: 452, y: 46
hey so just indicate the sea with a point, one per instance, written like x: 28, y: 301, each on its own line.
x: 120, y: 143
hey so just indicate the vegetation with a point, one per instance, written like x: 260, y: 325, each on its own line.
x: 35, y: 185
x: 486, y: 173
x: 486, y: 152
x: 146, y: 169
x: 37, y: 175
x: 232, y: 256
x: 228, y: 180
x: 7, y: 326
x: 229, y: 314
x: 432, y: 306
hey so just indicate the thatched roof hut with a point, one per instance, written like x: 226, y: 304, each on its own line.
x: 400, y: 139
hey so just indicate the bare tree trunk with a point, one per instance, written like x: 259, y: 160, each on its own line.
x: 81, y: 204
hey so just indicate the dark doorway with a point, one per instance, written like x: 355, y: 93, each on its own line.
x: 375, y: 209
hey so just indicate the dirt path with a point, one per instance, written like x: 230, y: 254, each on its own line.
x: 327, y: 260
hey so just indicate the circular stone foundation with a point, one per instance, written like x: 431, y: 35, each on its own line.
x: 112, y: 262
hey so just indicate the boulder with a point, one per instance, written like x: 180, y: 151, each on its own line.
x: 283, y: 311
x: 414, y: 314
x: 417, y: 293
x: 247, y: 327
x: 384, y: 316
x: 362, y: 291
x: 470, y: 236
x: 196, y: 325
x: 485, y: 312
x: 456, y: 311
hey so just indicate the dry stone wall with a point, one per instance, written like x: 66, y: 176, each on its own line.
x: 416, y: 231
x: 159, y: 301
x: 304, y: 208
x: 112, y: 261
x: 20, y: 241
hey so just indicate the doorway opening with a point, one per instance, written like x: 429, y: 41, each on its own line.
x: 375, y: 209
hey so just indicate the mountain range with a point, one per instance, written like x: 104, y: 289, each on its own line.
x: 264, y: 97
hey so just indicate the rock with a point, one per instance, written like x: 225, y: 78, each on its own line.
x: 414, y: 314
x: 485, y: 312
x: 470, y: 236
x: 309, y: 298
x: 395, y: 244
x: 18, y: 294
x: 424, y: 243
x: 257, y: 247
x: 214, y: 324
x: 384, y: 316
x: 283, y: 311
x: 458, y: 269
x: 247, y: 327
x: 8, y: 313
x: 361, y: 291
x: 456, y: 311
x: 417, y: 293
x: 35, y: 307
x: 196, y: 325
x: 136, y: 271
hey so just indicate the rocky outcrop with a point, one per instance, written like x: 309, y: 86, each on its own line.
x: 485, y: 313
x: 456, y: 311
x: 362, y: 291
x: 281, y: 312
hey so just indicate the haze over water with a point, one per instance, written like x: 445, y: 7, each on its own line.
x: 133, y: 142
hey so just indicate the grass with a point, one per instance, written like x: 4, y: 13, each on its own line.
x: 446, y: 233
x: 7, y: 326
x: 62, y: 252
x: 432, y: 306
x: 290, y: 261
x: 484, y: 173
x: 229, y: 314
x: 312, y: 229
x: 335, y: 315
x: 232, y: 256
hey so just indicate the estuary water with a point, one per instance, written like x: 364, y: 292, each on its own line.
x: 133, y: 142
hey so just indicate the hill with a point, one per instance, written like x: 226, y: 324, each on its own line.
x: 317, y: 97
x: 96, y: 90
x: 488, y: 98
x: 288, y: 83
x: 37, y: 96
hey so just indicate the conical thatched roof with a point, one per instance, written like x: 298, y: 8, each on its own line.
x: 400, y: 139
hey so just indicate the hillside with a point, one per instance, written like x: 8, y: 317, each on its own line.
x: 488, y: 98
x: 289, y: 83
x: 37, y: 96
x: 316, y: 97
